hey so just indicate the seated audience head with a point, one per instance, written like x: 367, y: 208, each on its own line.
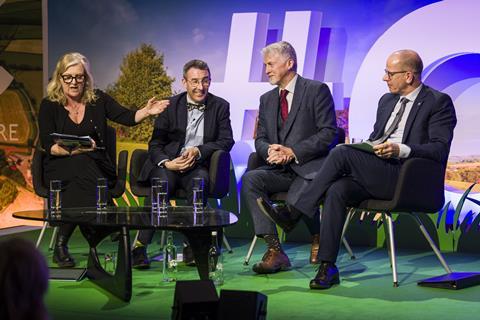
x: 23, y: 281
x: 72, y: 78
x: 403, y: 72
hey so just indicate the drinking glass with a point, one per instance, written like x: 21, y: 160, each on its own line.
x: 102, y: 193
x: 198, y: 189
x: 55, y: 196
x: 159, y: 196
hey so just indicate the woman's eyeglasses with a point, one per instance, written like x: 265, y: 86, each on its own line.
x: 68, y: 78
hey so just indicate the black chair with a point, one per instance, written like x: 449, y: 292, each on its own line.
x: 41, y: 186
x: 254, y: 161
x: 219, y: 176
x: 419, y: 190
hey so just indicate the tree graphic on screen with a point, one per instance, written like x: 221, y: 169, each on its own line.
x: 142, y: 76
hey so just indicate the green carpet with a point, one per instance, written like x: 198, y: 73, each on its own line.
x: 365, y: 291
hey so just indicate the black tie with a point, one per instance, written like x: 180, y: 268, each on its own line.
x: 199, y: 106
x: 394, y: 125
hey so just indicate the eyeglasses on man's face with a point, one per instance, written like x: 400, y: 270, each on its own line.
x: 68, y: 78
x: 195, y: 82
x: 390, y: 74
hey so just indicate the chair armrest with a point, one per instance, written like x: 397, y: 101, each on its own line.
x: 37, y: 173
x: 137, y: 161
x: 420, y: 186
x: 219, y: 174
x: 255, y: 161
x: 119, y: 187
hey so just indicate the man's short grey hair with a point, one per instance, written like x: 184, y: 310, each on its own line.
x: 283, y: 48
x: 197, y: 64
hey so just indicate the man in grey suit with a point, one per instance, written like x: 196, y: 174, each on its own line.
x: 296, y: 130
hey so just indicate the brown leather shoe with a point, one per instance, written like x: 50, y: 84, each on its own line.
x: 314, y: 249
x: 272, y: 261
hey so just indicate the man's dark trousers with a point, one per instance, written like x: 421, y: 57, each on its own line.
x: 347, y: 177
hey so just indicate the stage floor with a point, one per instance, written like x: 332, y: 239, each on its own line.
x: 365, y: 291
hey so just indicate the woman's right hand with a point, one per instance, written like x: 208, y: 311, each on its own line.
x: 58, y: 150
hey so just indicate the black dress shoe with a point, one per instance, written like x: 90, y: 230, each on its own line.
x: 188, y: 257
x: 326, y: 277
x: 140, y: 258
x: 284, y: 216
x: 62, y: 257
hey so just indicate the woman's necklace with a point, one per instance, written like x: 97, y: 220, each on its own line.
x: 73, y: 110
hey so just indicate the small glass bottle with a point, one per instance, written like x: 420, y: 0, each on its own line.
x: 169, y: 260
x: 215, y: 261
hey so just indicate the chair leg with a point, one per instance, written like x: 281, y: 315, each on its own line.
x: 392, y: 249
x: 162, y: 239
x: 387, y: 239
x: 432, y: 244
x: 348, y: 248
x: 345, y: 227
x: 250, y: 251
x: 135, y: 239
x: 53, y: 239
x: 227, y: 245
x: 42, y: 232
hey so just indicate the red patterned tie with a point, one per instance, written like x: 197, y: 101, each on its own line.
x: 283, y: 105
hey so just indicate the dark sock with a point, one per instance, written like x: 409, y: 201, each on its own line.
x: 312, y: 223
x: 273, y: 242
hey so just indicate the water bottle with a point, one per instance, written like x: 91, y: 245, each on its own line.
x: 169, y: 260
x: 215, y: 262
x: 55, y: 197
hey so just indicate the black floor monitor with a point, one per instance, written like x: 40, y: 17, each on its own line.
x: 242, y: 305
x: 454, y: 280
x: 195, y: 300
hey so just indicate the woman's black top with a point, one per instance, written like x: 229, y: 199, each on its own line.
x: 79, y: 173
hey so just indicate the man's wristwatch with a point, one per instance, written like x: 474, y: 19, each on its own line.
x: 162, y: 164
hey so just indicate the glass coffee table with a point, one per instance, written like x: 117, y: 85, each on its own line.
x: 96, y: 225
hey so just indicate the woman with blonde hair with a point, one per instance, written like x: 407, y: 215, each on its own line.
x: 73, y: 106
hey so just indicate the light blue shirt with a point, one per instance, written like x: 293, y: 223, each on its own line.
x: 195, y: 128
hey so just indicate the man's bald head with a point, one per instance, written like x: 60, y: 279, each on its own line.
x: 403, y: 72
x: 408, y: 60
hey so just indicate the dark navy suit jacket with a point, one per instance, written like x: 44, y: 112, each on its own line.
x: 429, y: 127
x: 310, y: 129
x: 170, y: 127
